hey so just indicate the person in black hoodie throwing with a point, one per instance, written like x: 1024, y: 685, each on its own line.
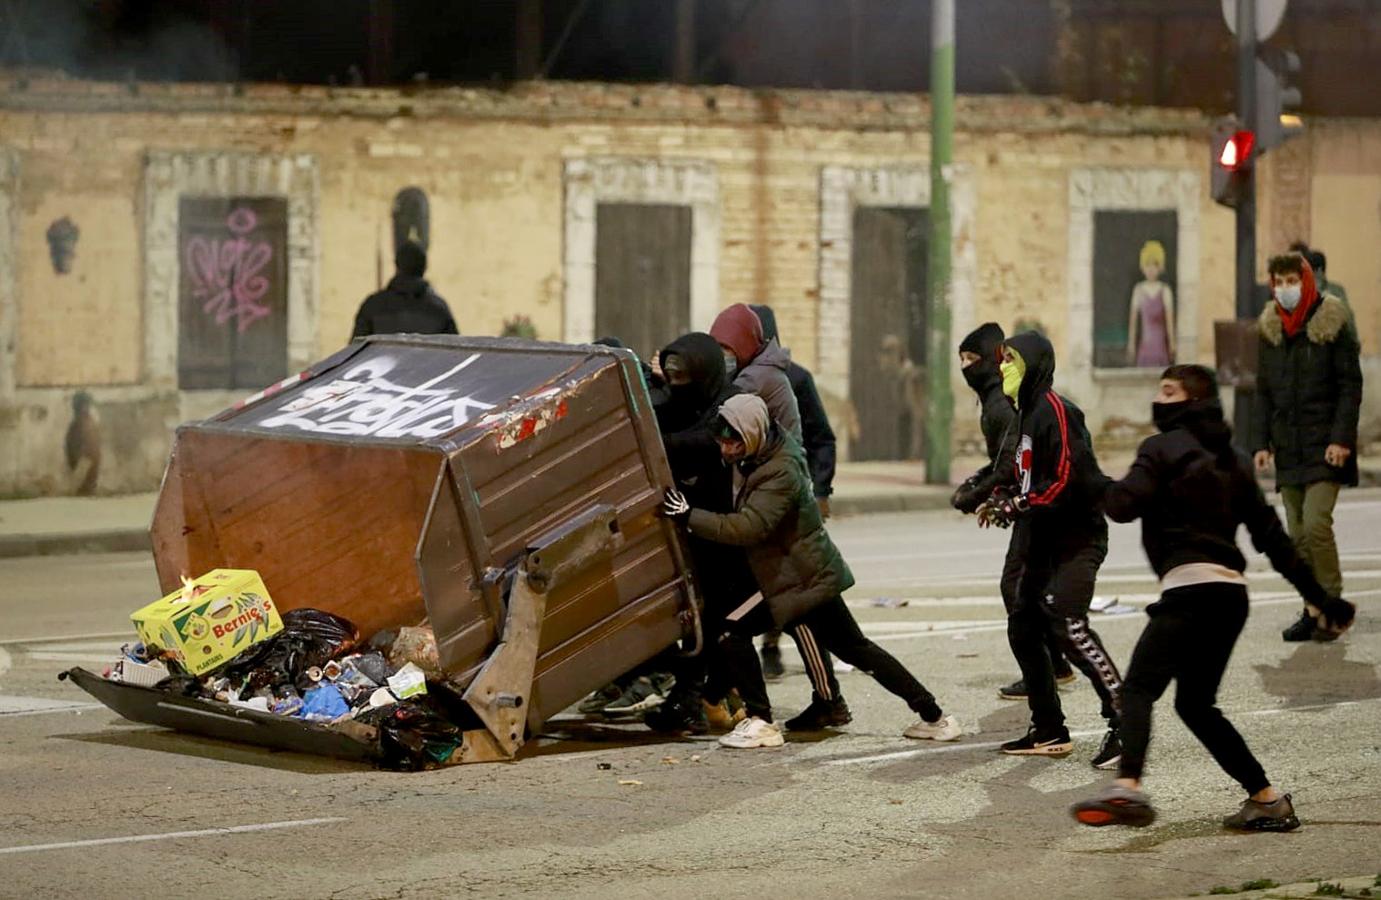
x: 1061, y: 538
x: 980, y: 355
x: 1192, y: 489
x: 408, y: 305
x: 817, y: 439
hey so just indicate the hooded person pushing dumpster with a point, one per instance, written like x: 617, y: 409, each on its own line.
x: 798, y: 568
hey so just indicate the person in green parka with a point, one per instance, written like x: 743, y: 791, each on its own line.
x: 798, y: 568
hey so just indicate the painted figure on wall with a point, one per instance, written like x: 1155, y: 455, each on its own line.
x: 1151, y: 321
x: 1135, y: 286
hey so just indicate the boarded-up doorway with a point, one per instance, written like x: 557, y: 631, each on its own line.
x: 233, y: 294
x: 887, y: 326
x: 642, y: 274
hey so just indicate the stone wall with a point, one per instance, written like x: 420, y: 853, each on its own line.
x: 512, y: 177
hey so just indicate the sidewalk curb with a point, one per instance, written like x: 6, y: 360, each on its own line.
x: 889, y: 503
x: 125, y: 540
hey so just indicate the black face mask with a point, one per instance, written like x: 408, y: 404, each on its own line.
x: 977, y: 375
x: 1169, y: 416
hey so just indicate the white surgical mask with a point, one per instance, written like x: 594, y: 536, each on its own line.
x: 730, y: 364
x: 1287, y: 295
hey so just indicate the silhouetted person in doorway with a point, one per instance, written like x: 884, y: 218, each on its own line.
x: 408, y: 305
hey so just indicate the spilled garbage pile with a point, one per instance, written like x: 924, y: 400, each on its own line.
x: 221, y: 640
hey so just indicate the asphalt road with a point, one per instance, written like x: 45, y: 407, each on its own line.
x: 93, y: 806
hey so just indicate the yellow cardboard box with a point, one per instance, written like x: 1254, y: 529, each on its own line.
x: 210, y: 620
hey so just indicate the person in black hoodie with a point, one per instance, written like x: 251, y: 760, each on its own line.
x: 980, y: 354
x: 697, y: 383
x: 1061, y: 538
x: 408, y: 305
x: 818, y: 441
x: 1192, y: 489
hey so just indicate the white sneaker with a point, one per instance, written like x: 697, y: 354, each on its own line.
x: 947, y: 729
x: 753, y: 733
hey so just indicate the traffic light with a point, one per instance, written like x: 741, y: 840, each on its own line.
x: 1232, y: 149
x: 1277, y: 97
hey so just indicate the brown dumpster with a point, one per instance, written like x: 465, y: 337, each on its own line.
x: 504, y: 490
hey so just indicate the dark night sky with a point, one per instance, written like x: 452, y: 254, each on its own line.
x: 1003, y: 45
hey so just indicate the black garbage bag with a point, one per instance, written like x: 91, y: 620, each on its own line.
x: 413, y: 734
x: 310, y: 638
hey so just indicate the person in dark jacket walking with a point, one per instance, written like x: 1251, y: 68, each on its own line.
x: 818, y: 441
x: 1061, y: 538
x: 408, y: 305
x: 1192, y: 489
x: 798, y: 568
x: 1308, y: 399
x: 980, y: 355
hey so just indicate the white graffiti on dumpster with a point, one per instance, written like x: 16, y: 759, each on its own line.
x: 364, y: 403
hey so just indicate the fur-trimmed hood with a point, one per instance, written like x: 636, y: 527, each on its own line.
x: 1327, y: 322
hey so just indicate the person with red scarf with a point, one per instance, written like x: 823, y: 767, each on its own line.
x: 1308, y: 401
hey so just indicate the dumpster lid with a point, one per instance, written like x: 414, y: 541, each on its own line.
x: 411, y: 390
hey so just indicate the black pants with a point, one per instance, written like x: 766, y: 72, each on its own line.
x: 1189, y: 639
x: 833, y: 627
x: 1053, y: 597
x: 819, y: 664
x: 1011, y: 580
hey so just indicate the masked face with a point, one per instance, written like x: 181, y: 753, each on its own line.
x: 1288, y: 295
x: 1171, y: 401
x: 732, y: 449
x: 730, y: 364
x: 1288, y: 289
x: 1013, y: 369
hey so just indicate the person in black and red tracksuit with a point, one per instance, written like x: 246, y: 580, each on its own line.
x: 980, y: 355
x: 1061, y: 539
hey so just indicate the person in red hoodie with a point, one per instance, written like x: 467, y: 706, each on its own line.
x: 1308, y: 400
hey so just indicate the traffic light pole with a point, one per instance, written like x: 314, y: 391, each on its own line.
x: 939, y: 397
x: 1246, y: 204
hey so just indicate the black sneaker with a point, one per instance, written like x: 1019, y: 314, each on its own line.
x: 1014, y: 691
x: 680, y: 715
x: 1115, y: 805
x: 601, y: 698
x: 1055, y: 742
x: 1110, y: 754
x: 821, y: 714
x: 772, y: 668
x: 1254, y: 816
x: 1017, y: 689
x: 1302, y: 630
x: 640, y: 696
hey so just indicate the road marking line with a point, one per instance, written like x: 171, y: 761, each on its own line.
x: 13, y: 703
x: 70, y: 656
x: 172, y: 835
x: 52, y: 639
x: 1086, y: 732
x: 73, y: 707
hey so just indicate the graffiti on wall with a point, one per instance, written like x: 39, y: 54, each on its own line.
x: 228, y: 274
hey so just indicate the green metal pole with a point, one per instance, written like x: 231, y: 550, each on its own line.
x: 939, y: 398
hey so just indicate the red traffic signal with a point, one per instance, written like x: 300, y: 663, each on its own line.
x: 1237, y: 151
x: 1230, y: 161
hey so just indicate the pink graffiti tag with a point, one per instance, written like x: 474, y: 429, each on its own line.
x: 227, y: 274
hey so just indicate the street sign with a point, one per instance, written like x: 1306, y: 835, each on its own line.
x: 1269, y: 14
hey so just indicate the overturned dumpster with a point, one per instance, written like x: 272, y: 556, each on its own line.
x: 504, y: 492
